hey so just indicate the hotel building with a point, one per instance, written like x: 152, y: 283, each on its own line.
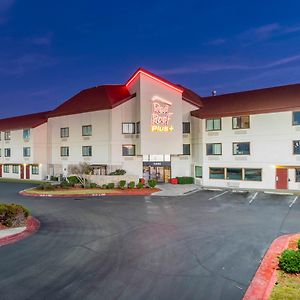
x: 153, y: 128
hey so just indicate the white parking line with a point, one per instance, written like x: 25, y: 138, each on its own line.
x: 218, y: 195
x: 253, y: 197
x: 293, y: 202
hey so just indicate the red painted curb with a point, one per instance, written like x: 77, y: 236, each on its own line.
x: 265, y: 277
x: 23, y: 193
x: 32, y: 227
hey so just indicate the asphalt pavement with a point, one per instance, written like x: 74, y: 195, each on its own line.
x: 205, y: 245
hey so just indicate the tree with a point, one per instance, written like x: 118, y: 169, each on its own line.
x: 80, y: 170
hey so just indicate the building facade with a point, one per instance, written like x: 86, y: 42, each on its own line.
x: 153, y: 128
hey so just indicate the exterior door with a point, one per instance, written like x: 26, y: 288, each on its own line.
x: 0, y: 170
x: 27, y: 171
x: 281, y: 178
x: 22, y: 171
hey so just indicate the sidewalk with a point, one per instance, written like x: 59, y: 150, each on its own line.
x: 168, y: 189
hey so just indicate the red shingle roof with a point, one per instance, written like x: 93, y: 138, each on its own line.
x: 21, y: 122
x: 275, y: 99
x: 96, y: 98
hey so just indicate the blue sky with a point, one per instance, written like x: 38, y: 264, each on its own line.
x: 49, y: 50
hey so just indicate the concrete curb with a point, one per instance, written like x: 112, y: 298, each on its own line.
x: 265, y: 277
x: 32, y: 227
x: 24, y: 193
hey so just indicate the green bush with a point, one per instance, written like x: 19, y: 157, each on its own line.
x: 140, y: 185
x: 185, y: 180
x: 46, y: 187
x: 93, y: 185
x: 131, y: 184
x: 104, y: 186
x: 152, y: 183
x: 118, y: 172
x: 122, y: 184
x: 111, y: 186
x: 289, y: 261
x: 13, y: 215
x: 65, y: 185
x: 73, y: 180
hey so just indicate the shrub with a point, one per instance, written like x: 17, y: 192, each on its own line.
x: 93, y: 185
x: 13, y: 215
x: 73, y: 180
x: 54, y: 178
x: 111, y: 186
x: 65, y: 185
x: 122, y: 184
x: 289, y: 261
x: 140, y: 185
x: 104, y: 186
x: 185, y: 180
x: 131, y: 184
x: 118, y: 172
x: 46, y: 187
x: 152, y: 183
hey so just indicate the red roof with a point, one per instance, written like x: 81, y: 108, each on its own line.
x: 275, y: 99
x: 21, y: 122
x: 96, y: 98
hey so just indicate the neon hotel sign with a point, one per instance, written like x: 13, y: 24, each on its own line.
x: 161, y: 115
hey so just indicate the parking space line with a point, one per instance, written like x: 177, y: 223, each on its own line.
x: 218, y: 195
x: 293, y: 202
x: 253, y: 197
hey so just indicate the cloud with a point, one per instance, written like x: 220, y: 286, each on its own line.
x: 45, y: 40
x: 212, y: 67
x: 25, y: 63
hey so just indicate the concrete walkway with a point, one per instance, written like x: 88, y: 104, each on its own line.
x: 168, y: 189
x: 11, y: 231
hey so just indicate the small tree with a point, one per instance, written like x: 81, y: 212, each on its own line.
x: 80, y: 170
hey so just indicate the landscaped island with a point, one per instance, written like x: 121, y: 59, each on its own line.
x: 13, y: 215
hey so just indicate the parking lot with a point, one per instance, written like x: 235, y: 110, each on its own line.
x: 205, y: 245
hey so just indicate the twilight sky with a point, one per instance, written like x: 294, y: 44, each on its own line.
x: 50, y: 50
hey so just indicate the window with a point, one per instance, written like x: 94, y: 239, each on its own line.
x: 297, y: 177
x: 252, y: 174
x: 296, y: 118
x: 7, y: 152
x: 128, y: 150
x: 138, y: 127
x: 214, y: 149
x: 186, y: 127
x: 7, y: 135
x: 128, y: 128
x: 242, y: 122
x: 87, y: 130
x: 216, y: 173
x: 186, y: 149
x: 213, y: 124
x: 241, y: 148
x: 234, y: 174
x: 35, y: 170
x: 64, y: 151
x: 87, y: 151
x: 6, y: 168
x: 26, y: 134
x: 64, y: 132
x: 296, y: 147
x: 198, y: 172
x: 15, y: 169
x: 26, y: 151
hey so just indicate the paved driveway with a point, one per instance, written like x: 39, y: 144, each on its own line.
x: 206, y: 245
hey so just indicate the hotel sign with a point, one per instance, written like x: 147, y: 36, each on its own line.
x: 161, y: 115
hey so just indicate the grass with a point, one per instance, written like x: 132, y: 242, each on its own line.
x: 287, y: 288
x: 21, y: 180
